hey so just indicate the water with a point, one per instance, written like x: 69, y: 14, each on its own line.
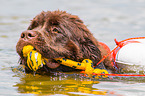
x: 107, y: 19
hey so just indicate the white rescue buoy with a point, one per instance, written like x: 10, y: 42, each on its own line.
x: 131, y: 52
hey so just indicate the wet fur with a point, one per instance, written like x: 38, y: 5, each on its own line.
x: 60, y: 34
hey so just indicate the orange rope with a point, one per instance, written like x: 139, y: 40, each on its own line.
x: 104, y: 57
x: 121, y: 75
x: 133, y: 38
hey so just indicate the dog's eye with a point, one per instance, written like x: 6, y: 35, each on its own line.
x: 56, y: 31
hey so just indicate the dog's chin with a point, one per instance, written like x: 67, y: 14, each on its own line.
x: 52, y: 64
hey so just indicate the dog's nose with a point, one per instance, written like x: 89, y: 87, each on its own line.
x: 28, y: 34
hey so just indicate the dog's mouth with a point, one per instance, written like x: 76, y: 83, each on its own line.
x: 49, y: 62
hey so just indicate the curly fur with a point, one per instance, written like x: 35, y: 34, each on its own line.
x: 60, y: 34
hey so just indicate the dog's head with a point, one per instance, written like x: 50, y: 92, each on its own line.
x: 59, y: 34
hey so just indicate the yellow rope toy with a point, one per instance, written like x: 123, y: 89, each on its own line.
x: 35, y: 61
x: 34, y: 58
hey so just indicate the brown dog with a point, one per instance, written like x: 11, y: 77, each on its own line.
x: 59, y: 34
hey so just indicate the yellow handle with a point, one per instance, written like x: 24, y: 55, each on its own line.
x: 34, y: 58
x: 35, y: 61
x: 86, y: 65
x: 71, y: 63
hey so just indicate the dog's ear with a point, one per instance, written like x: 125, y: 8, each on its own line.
x: 90, y: 50
x: 74, y: 49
